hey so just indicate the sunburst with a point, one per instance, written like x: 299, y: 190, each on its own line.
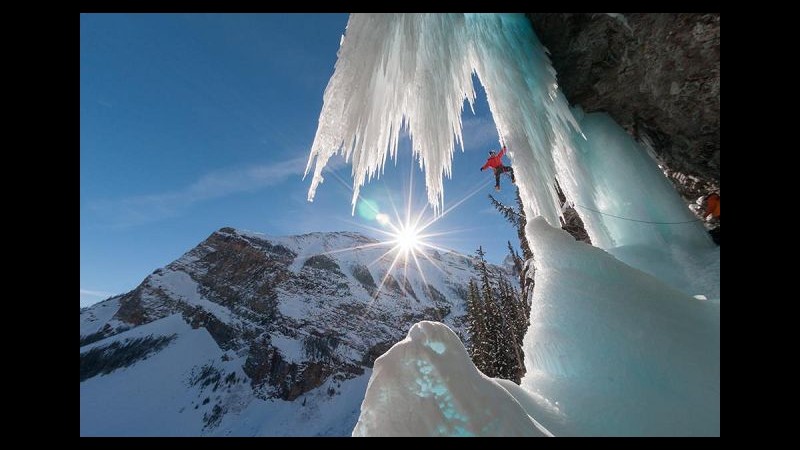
x: 406, y: 237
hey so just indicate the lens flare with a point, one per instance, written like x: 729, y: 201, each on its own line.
x: 407, y: 245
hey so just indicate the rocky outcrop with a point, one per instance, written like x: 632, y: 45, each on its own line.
x: 572, y: 222
x: 657, y: 75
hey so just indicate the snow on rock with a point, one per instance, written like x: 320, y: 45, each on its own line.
x: 426, y: 385
x: 181, y: 286
x: 151, y: 397
x: 164, y: 394
x: 272, y: 336
x: 96, y: 317
x: 317, y: 413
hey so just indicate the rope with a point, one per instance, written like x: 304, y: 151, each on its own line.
x: 635, y: 220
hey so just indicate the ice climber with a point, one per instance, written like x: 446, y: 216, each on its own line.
x: 495, y: 161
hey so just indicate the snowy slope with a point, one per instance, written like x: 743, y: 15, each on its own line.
x: 260, y: 335
x: 93, y: 319
x: 125, y: 402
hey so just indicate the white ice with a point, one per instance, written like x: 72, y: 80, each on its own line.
x: 618, y: 344
x: 426, y: 385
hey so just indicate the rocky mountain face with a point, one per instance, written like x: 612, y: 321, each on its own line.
x: 657, y: 75
x: 287, y: 315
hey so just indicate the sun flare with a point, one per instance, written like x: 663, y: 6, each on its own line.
x: 407, y: 238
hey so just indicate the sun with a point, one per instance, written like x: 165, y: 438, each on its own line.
x: 407, y: 238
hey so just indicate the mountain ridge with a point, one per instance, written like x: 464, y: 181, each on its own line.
x: 289, y: 316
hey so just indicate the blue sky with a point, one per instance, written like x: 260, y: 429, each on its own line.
x: 193, y: 122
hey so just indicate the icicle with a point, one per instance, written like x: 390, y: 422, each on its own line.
x: 414, y: 70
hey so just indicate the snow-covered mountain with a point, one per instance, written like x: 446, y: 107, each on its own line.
x: 248, y: 334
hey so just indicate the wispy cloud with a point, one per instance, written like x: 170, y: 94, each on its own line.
x: 90, y: 297
x: 91, y: 293
x: 143, y: 209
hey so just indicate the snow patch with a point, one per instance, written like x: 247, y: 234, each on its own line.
x: 96, y: 316
x: 149, y: 398
x: 182, y: 286
x: 291, y: 349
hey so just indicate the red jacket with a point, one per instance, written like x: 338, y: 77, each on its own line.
x: 496, y: 160
x: 712, y: 205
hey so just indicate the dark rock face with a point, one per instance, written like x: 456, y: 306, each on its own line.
x: 657, y: 75
x: 572, y: 222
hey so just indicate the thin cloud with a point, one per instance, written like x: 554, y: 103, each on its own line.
x: 91, y: 293
x: 90, y: 297
x: 143, y: 209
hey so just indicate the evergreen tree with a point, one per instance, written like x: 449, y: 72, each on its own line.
x: 520, y: 300
x: 489, y: 312
x: 497, y: 316
x: 515, y: 257
x: 515, y: 315
x: 499, y: 345
x: 513, y: 306
x: 505, y: 338
x: 517, y: 218
x: 527, y: 253
x: 475, y: 324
